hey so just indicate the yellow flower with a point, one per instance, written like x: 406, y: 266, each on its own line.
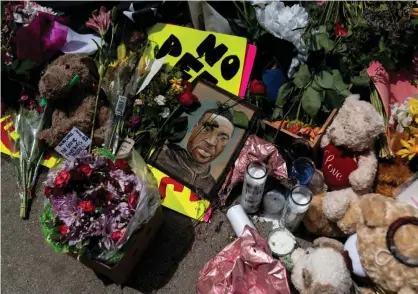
x: 176, y: 85
x: 413, y: 106
x: 411, y: 148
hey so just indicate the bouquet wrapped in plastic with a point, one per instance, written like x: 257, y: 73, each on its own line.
x: 95, y: 204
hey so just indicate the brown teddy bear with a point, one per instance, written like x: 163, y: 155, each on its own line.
x: 349, y: 168
x: 386, y: 224
x: 67, y: 85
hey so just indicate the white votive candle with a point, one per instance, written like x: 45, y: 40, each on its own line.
x: 281, y: 242
x: 253, y: 187
x: 274, y: 202
x: 299, y: 201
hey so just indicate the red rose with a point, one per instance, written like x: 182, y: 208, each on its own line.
x: 87, y: 206
x: 132, y: 199
x: 187, y: 98
x: 86, y: 169
x: 340, y: 30
x: 116, y: 235
x: 48, y: 191
x: 257, y: 87
x: 62, y: 178
x: 63, y: 229
x: 122, y: 164
x: 110, y: 164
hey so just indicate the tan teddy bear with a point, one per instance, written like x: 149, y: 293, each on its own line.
x: 67, y: 85
x: 321, y: 269
x: 370, y: 253
x: 349, y: 168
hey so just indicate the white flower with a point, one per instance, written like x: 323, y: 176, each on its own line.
x: 260, y: 3
x: 160, y: 99
x: 138, y: 102
x: 165, y: 113
x: 400, y: 115
x: 29, y: 12
x: 286, y: 23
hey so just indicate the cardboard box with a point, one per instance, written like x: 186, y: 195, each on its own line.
x: 119, y: 273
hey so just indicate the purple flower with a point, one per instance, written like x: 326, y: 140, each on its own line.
x: 100, y: 21
x: 65, y: 207
x: 134, y: 121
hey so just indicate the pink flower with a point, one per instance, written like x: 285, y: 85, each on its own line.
x: 100, y: 21
x: 340, y: 30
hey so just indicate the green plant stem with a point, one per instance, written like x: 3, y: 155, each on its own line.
x: 95, y: 112
x: 160, y: 130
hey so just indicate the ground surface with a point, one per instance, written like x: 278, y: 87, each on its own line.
x: 171, y: 265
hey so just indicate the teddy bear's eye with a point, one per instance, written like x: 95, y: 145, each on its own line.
x: 67, y: 66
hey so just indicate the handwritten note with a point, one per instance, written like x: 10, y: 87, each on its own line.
x: 73, y: 143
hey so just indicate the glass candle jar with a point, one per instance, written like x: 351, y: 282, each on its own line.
x: 298, y: 203
x: 303, y: 169
x: 253, y: 188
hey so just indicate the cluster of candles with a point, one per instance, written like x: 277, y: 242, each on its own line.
x: 289, y: 206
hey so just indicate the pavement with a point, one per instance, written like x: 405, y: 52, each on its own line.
x: 170, y: 266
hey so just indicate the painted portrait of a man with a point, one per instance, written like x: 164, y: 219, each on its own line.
x: 202, y: 156
x: 206, y: 142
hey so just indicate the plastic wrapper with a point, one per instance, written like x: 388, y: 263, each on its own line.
x: 106, y: 249
x: 28, y: 124
x: 244, y: 266
x: 255, y: 149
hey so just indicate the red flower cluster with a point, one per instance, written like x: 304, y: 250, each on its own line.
x: 257, y: 87
x: 62, y: 179
x: 187, y: 98
x: 87, y: 206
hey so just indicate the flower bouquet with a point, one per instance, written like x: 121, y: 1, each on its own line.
x: 95, y: 204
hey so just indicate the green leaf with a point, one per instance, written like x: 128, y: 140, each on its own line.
x: 121, y: 51
x: 283, y: 94
x: 361, y: 80
x: 277, y: 113
x: 177, y: 129
x: 334, y: 99
x: 302, y: 76
x: 103, y: 152
x: 382, y: 44
x: 15, y: 63
x: 415, y: 21
x: 324, y: 79
x: 25, y: 66
x: 152, y: 112
x: 381, y: 8
x: 339, y: 84
x: 321, y: 41
x: 240, y: 119
x: 311, y: 101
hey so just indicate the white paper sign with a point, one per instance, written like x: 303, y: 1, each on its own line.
x: 125, y: 148
x: 73, y: 143
x: 120, y: 105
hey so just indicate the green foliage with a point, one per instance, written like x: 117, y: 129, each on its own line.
x: 49, y: 226
x: 362, y: 79
x: 240, y: 119
x: 176, y: 130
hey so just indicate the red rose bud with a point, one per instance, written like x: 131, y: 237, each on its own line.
x: 132, y: 199
x: 116, y: 235
x: 340, y: 30
x: 122, y: 164
x: 110, y: 164
x: 63, y: 229
x: 62, y: 178
x: 294, y: 128
x: 86, y: 169
x: 257, y: 87
x: 128, y: 188
x: 48, y: 191
x: 87, y: 206
x: 187, y: 98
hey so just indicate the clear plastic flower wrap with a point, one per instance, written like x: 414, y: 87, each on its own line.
x: 95, y: 204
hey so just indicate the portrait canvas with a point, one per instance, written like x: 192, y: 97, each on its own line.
x: 201, y: 160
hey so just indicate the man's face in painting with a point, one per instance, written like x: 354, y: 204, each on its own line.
x: 209, y: 137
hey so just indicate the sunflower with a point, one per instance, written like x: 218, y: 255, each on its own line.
x: 411, y: 148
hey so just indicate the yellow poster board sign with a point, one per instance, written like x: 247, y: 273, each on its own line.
x: 217, y: 58
x: 178, y: 197
x: 8, y: 138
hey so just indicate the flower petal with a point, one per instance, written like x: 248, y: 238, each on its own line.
x: 405, y: 144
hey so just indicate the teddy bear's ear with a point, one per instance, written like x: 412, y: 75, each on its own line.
x: 324, y: 242
x: 91, y: 65
x: 297, y: 254
x: 354, y: 97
